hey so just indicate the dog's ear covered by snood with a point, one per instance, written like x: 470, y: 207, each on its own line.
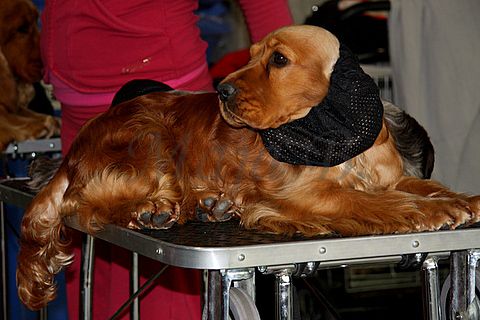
x: 136, y: 88
x: 342, y: 126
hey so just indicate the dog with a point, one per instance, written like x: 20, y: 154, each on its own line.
x: 170, y: 157
x: 20, y: 67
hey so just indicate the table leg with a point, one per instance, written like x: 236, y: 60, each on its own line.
x: 88, y: 254
x: 431, y: 289
x: 214, y: 305
x: 283, y: 289
x: 3, y: 263
x: 283, y: 294
x: 464, y: 303
x: 135, y: 309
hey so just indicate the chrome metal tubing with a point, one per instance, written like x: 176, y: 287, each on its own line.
x: 88, y: 254
x: 283, y: 294
x: 135, y: 309
x: 464, y: 304
x: 214, y: 297
x: 3, y: 265
x: 431, y: 289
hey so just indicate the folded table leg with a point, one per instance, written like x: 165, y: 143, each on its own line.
x: 464, y: 303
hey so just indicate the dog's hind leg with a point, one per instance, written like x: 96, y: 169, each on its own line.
x: 131, y: 198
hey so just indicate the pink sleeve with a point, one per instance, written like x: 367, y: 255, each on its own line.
x: 264, y: 16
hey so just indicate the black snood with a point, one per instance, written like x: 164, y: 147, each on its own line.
x: 343, y: 125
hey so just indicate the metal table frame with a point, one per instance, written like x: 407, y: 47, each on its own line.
x: 230, y: 260
x: 29, y: 148
x: 34, y: 146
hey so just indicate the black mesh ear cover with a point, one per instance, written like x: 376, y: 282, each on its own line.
x: 343, y: 125
x: 139, y: 87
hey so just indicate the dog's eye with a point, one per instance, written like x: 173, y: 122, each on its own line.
x: 24, y: 28
x: 278, y: 60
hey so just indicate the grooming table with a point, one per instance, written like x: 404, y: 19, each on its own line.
x: 231, y: 255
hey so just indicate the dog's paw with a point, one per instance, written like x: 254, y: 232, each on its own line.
x: 42, y: 126
x: 474, y: 204
x: 51, y: 127
x: 215, y: 209
x: 150, y: 215
x: 444, y: 213
x: 54, y: 124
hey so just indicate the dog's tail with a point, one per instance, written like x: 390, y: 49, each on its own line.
x: 412, y: 142
x: 43, y: 248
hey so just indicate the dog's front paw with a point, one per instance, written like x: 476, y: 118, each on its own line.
x: 51, y: 127
x: 474, y: 203
x: 150, y: 215
x: 215, y: 209
x: 445, y: 213
x: 42, y: 126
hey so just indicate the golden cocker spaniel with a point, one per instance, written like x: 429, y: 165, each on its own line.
x: 20, y: 67
x: 169, y: 157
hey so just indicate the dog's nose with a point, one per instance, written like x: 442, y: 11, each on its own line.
x: 226, y: 91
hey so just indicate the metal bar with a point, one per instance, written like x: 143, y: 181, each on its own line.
x: 88, y: 254
x: 474, y: 303
x: 135, y: 310
x: 143, y: 288
x: 463, y: 304
x: 458, y: 293
x: 226, y: 283
x: 283, y: 294
x: 214, y: 297
x: 43, y: 313
x: 3, y: 264
x: 40, y: 145
x: 431, y: 289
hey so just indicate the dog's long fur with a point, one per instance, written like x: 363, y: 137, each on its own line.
x: 151, y: 161
x: 20, y: 67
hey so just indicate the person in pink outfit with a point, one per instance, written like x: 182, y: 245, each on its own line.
x: 90, y: 49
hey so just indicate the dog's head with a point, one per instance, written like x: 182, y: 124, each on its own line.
x: 287, y: 75
x: 19, y: 39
